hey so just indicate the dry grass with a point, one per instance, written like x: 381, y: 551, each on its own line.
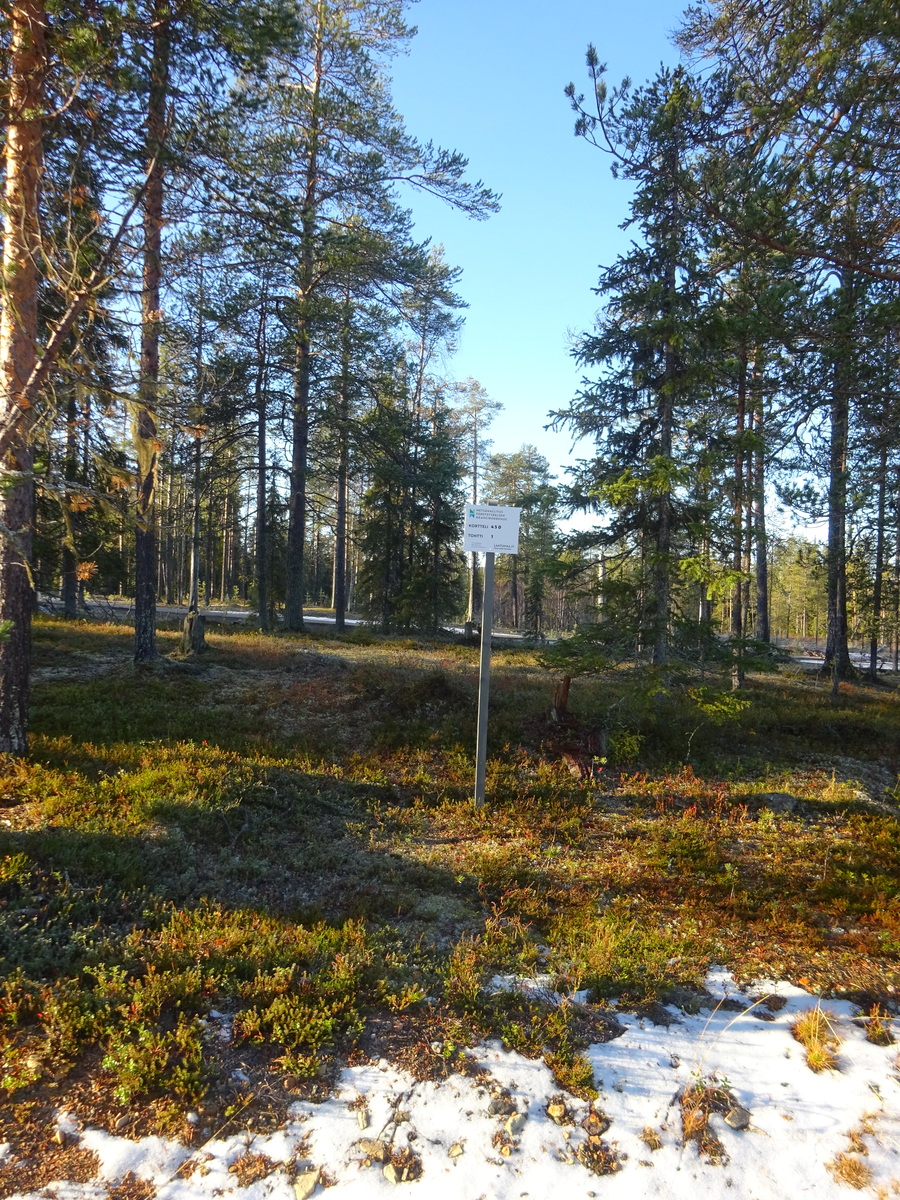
x: 816, y: 1031
x: 880, y: 1027
x: 850, y: 1169
x: 132, y: 1188
x: 698, y: 1102
x: 250, y: 1168
x: 651, y: 1138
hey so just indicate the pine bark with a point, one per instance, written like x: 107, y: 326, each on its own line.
x: 339, y: 597
x: 293, y: 608
x: 262, y: 526
x: 737, y: 551
x: 660, y: 567
x: 837, y: 655
x: 297, y: 506
x: 763, y: 627
x: 23, y: 164
x: 878, y: 576
x: 144, y: 427
x: 69, y: 581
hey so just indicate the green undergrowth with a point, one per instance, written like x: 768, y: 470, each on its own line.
x: 282, y: 834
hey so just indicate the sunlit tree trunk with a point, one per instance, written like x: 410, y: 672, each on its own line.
x: 69, y: 581
x: 144, y: 426
x: 837, y: 655
x: 339, y: 598
x: 262, y: 517
x: 878, y: 577
x: 761, y: 540
x: 737, y: 596
x: 23, y: 163
x: 296, y: 538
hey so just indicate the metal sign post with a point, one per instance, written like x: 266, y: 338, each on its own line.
x: 484, y: 677
x: 490, y: 528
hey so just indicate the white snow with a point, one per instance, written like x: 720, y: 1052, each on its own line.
x: 799, y: 1121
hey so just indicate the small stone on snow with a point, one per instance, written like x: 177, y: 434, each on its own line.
x: 738, y: 1118
x: 373, y: 1148
x: 501, y: 1107
x: 305, y: 1184
x: 516, y: 1124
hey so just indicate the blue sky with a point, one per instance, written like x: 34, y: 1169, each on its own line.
x: 486, y: 77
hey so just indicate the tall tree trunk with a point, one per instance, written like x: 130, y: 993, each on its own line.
x: 660, y: 567
x: 514, y: 589
x: 69, y: 589
x: 296, y: 538
x: 223, y: 559
x: 763, y: 629
x: 837, y: 655
x: 144, y: 426
x: 194, y: 596
x: 878, y: 577
x: 262, y: 524
x: 168, y: 544
x: 196, y: 485
x: 737, y: 595
x: 339, y: 598
x: 23, y: 164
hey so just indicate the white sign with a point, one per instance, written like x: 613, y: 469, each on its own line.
x: 491, y: 528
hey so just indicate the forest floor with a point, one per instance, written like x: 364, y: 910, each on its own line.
x: 257, y: 939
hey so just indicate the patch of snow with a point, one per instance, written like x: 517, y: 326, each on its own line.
x: 799, y: 1121
x: 151, y: 1158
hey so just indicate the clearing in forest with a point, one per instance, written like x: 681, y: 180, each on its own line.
x: 242, y: 895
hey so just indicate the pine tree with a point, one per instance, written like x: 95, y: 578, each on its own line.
x: 523, y: 480
x: 411, y: 520
x: 341, y: 151
x: 650, y: 342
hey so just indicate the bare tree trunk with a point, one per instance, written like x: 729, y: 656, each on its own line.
x: 343, y: 477
x: 878, y: 579
x: 296, y: 538
x: 514, y: 587
x: 23, y: 164
x: 293, y: 607
x: 763, y: 630
x: 223, y: 560
x: 144, y: 427
x: 661, y: 566
x: 262, y: 529
x: 69, y: 588
x: 194, y: 593
x: 737, y: 595
x: 837, y: 655
x: 196, y: 484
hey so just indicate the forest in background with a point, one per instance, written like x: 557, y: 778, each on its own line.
x: 224, y: 354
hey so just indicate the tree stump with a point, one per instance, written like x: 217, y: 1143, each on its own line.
x: 560, y: 709
x: 193, y: 633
